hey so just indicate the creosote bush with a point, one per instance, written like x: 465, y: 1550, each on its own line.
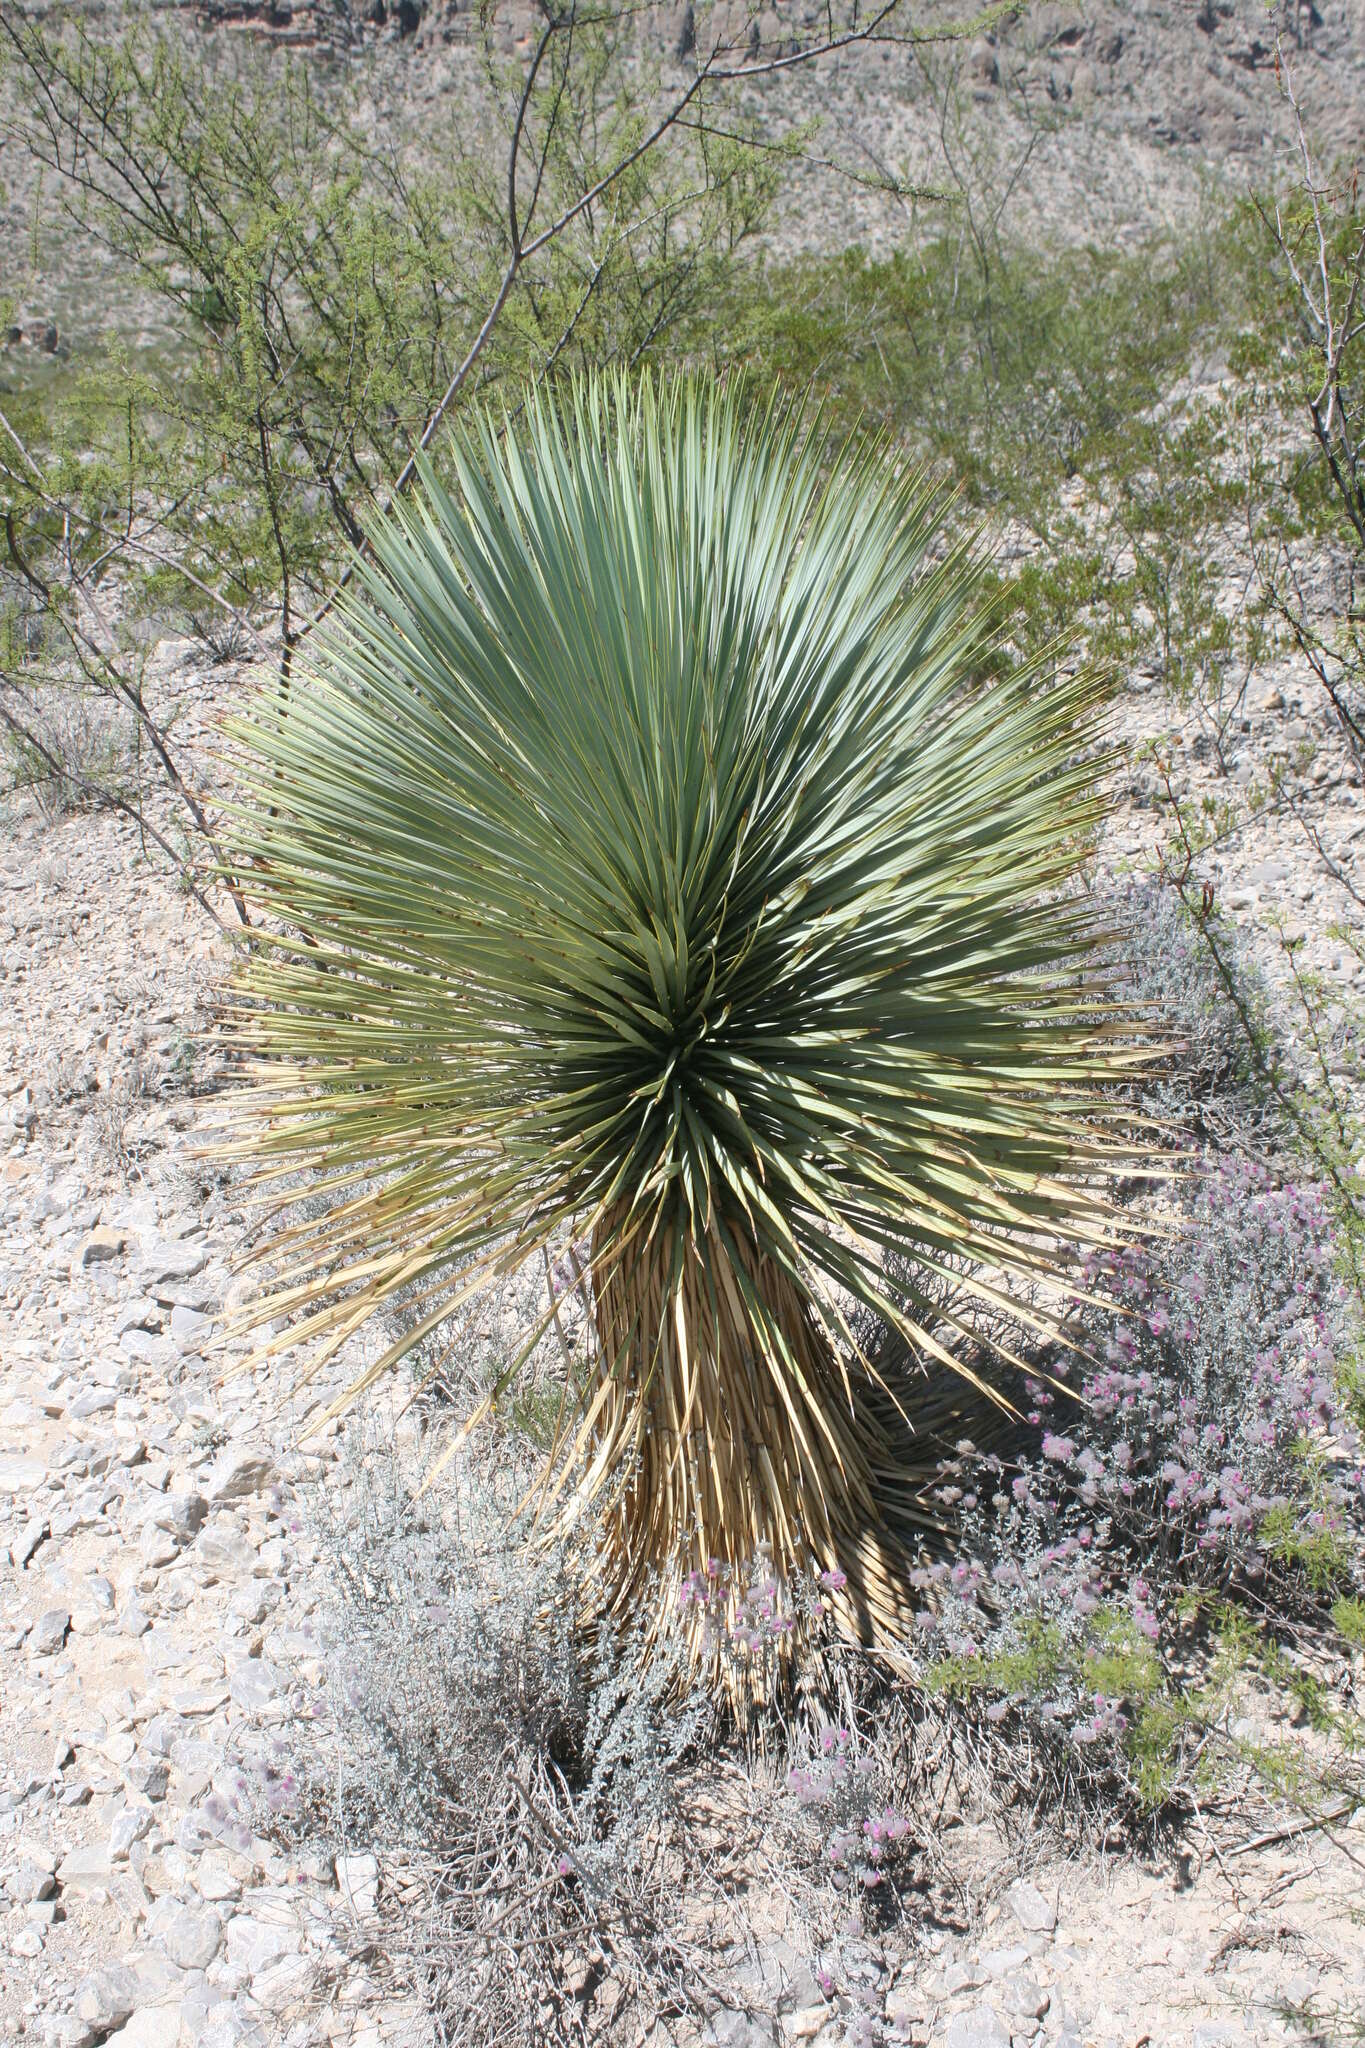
x: 659, y: 852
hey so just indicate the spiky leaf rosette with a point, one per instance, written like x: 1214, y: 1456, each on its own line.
x: 656, y: 856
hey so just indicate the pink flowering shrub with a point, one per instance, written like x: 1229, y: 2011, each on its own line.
x: 841, y: 1787
x: 750, y: 1618
x: 1206, y: 1446
x: 1214, y: 1412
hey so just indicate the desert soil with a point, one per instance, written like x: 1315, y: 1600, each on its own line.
x: 159, y: 1588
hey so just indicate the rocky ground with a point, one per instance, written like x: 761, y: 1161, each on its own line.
x: 1087, y: 124
x: 160, y: 1586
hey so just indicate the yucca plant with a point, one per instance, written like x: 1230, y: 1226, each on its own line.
x: 661, y: 853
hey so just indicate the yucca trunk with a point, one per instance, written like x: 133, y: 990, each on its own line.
x: 725, y: 1451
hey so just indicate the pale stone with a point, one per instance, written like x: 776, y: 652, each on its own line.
x: 239, y: 1472
x: 170, y: 1258
x: 129, y: 1825
x: 192, y: 1940
x: 982, y: 2027
x: 187, y: 1325
x: 358, y: 1882
x: 103, y: 1244
x: 50, y: 1632
x: 181, y: 1513
x: 21, y: 1475
x: 30, y: 1883
x: 94, y: 1401
x: 1035, y: 1914
x: 252, y: 1943
x: 254, y: 1684
x: 225, y: 1548
x: 107, y: 1997
x: 284, y: 1983
x: 216, y: 1881
x: 152, y: 2026
x: 27, y: 1541
x: 147, y: 1775
x: 85, y: 1870
x: 65, y: 2030
x: 999, y: 1962
x: 1024, y: 1996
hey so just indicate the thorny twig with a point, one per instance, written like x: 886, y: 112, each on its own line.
x: 106, y: 798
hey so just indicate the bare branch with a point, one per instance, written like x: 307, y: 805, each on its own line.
x: 105, y: 798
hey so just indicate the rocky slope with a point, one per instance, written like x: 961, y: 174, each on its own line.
x: 1095, y: 124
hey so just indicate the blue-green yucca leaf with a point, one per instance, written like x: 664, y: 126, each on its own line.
x: 655, y: 852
